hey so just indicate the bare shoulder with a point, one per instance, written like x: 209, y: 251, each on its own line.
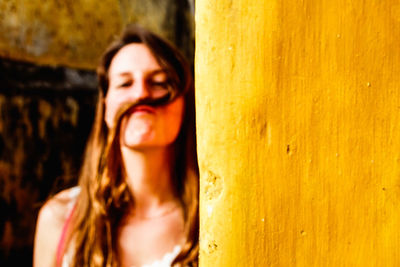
x: 57, y: 208
x: 49, y: 226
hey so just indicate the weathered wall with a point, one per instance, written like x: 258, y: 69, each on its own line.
x: 47, y: 105
x: 75, y: 32
x: 298, y: 132
x: 66, y: 32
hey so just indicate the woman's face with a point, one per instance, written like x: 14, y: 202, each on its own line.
x: 134, y: 77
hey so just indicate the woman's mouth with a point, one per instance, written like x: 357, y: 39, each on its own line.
x: 142, y: 109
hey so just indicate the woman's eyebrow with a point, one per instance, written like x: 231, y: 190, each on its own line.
x: 128, y: 74
x: 122, y: 74
x: 119, y: 75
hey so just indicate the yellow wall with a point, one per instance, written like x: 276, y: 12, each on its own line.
x: 298, y: 112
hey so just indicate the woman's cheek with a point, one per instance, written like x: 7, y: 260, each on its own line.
x: 171, y: 124
x: 111, y: 108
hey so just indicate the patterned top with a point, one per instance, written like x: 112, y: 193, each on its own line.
x: 165, y: 261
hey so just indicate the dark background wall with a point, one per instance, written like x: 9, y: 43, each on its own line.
x: 45, y: 117
x: 48, y: 53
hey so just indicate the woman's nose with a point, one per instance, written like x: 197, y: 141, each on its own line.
x: 141, y: 90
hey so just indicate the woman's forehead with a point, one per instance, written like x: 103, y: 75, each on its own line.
x: 132, y: 58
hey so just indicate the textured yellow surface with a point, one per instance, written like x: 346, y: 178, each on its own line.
x: 298, y: 113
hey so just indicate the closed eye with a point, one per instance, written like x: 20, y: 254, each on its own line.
x: 160, y: 85
x: 125, y: 84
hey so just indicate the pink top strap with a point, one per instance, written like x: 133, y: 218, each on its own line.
x: 62, y: 242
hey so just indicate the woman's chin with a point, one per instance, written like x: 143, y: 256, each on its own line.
x: 137, y: 132
x: 137, y: 140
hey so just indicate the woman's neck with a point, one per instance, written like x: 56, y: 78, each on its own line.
x: 149, y: 177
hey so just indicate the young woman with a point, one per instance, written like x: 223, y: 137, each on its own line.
x: 137, y: 199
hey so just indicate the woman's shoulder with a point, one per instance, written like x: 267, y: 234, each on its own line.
x: 59, y: 206
x: 50, y: 223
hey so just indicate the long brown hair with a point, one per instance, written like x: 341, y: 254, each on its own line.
x: 105, y: 197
